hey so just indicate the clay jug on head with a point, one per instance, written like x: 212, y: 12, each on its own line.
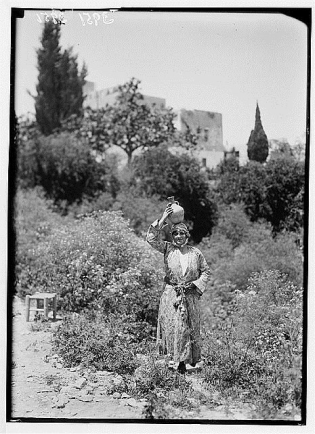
x: 177, y: 215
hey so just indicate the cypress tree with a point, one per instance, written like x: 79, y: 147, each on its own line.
x: 60, y: 85
x: 257, y: 146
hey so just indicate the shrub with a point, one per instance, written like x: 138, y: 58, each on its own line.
x: 34, y: 222
x: 100, y: 343
x: 96, y: 262
x: 101, y: 202
x: 216, y: 249
x: 66, y: 169
x: 233, y: 228
x: 259, y: 251
x: 258, y: 348
x: 140, y: 211
x: 158, y: 172
x: 280, y: 253
x: 274, y: 191
x: 234, y: 224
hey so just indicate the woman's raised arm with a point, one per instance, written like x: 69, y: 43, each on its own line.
x: 154, y: 231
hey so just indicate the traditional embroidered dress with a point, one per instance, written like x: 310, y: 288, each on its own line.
x: 178, y: 330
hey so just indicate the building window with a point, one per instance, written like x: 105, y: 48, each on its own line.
x: 204, y: 162
x: 206, y: 134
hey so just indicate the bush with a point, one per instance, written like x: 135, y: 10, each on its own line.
x: 157, y: 172
x: 102, y: 202
x: 258, y: 347
x: 259, y: 251
x: 233, y: 229
x: 96, y: 262
x: 100, y: 343
x: 234, y: 224
x: 139, y: 211
x: 66, y: 169
x: 34, y: 222
x: 274, y: 191
x: 280, y: 253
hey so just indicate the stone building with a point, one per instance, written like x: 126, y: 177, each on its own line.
x: 207, y: 125
x: 96, y: 99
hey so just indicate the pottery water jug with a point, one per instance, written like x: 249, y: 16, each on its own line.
x: 177, y: 215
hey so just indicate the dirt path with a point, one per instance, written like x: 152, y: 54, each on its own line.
x: 43, y: 388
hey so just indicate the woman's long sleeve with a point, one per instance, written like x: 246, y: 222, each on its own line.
x: 154, y: 237
x: 205, y: 274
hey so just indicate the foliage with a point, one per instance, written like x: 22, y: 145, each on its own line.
x: 103, y: 201
x: 245, y: 184
x: 140, y: 211
x: 159, y: 172
x: 258, y: 347
x: 299, y: 148
x: 280, y: 148
x: 89, y: 127
x: 65, y: 168
x: 274, y: 191
x: 227, y: 165
x: 95, y: 262
x: 100, y: 343
x: 128, y: 122
x: 34, y: 221
x: 60, y: 84
x: 285, y: 185
x: 261, y: 251
x: 132, y: 124
x: 101, y: 269
x: 257, y: 146
x: 234, y: 224
x: 107, y: 344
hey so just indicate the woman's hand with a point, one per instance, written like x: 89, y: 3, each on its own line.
x: 168, y: 211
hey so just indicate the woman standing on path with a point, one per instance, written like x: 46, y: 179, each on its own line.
x: 186, y: 277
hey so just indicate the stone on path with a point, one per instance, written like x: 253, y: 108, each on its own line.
x: 80, y: 383
x: 85, y: 398
x: 132, y: 402
x: 62, y: 400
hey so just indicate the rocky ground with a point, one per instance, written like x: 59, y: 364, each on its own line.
x: 43, y: 389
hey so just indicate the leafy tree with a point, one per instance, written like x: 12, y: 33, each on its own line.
x: 274, y: 191
x: 71, y: 86
x: 257, y: 146
x: 89, y: 127
x: 128, y: 123
x: 158, y: 172
x: 285, y: 189
x: 60, y: 85
x: 132, y: 124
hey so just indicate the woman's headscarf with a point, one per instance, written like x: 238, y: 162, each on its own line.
x: 179, y: 226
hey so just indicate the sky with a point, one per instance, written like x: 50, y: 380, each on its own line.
x: 219, y: 62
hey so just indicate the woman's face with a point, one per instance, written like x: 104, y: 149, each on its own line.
x: 179, y: 237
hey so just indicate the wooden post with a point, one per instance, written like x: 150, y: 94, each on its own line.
x: 46, y: 308
x: 27, y: 306
x: 55, y: 306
